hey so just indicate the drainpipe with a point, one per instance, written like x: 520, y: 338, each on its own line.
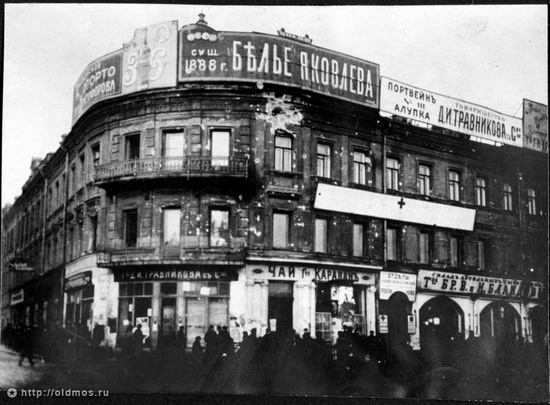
x: 63, y: 265
x: 44, y: 213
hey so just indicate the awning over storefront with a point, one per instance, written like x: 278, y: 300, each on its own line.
x: 396, y: 208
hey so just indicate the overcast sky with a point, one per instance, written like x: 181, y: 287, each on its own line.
x: 492, y: 56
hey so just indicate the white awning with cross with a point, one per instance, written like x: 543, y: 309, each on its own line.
x: 392, y: 207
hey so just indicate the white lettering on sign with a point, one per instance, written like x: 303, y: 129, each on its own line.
x: 479, y: 285
x: 260, y: 57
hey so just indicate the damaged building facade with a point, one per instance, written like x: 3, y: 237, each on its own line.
x: 251, y: 181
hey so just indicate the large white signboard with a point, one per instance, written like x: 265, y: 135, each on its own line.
x: 392, y: 282
x: 421, y: 105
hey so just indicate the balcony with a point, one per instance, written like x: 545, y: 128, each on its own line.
x: 185, y: 166
x: 150, y: 256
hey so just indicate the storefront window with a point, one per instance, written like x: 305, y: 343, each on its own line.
x: 135, y: 305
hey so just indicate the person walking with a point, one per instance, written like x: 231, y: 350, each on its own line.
x: 26, y: 348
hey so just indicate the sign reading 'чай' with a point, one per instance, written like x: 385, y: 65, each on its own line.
x: 479, y: 285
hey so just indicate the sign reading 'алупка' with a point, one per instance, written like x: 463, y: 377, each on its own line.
x: 435, y: 109
x: 252, y: 57
x: 174, y: 275
x: 472, y: 284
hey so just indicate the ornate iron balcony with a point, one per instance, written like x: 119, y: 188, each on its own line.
x: 184, y: 166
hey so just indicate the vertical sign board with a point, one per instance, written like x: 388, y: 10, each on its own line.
x: 535, y: 126
x: 382, y: 323
x: 411, y: 324
x: 99, y: 81
x: 206, y: 54
x: 456, y: 115
x: 149, y: 60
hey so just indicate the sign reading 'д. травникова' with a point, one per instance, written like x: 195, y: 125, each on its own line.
x: 253, y: 57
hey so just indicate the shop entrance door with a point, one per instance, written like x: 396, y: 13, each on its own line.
x: 279, y: 307
x: 195, y: 316
x: 168, y: 325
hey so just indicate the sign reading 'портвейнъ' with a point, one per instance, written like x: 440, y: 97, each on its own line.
x: 478, y: 285
x: 431, y: 108
x: 233, y: 56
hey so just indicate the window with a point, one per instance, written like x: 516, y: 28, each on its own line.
x: 392, y: 173
x: 283, y: 153
x: 424, y: 179
x: 360, y: 167
x: 281, y: 222
x: 171, y: 226
x: 95, y: 154
x: 56, y: 194
x: 455, y: 251
x: 424, y: 247
x: 481, y: 192
x: 507, y: 197
x: 321, y: 233
x: 220, y: 147
x: 82, y: 159
x: 391, y: 243
x: 531, y: 202
x: 130, y: 227
x: 219, y: 227
x: 323, y: 160
x: 174, y: 144
x: 481, y: 251
x: 72, y: 179
x: 359, y: 244
x: 132, y: 146
x: 454, y: 185
x: 93, y: 235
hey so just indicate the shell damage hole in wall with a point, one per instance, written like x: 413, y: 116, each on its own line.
x: 280, y: 114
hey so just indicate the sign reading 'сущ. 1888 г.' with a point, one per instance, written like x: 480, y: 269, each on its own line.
x: 233, y: 56
x: 435, y: 109
x: 480, y: 285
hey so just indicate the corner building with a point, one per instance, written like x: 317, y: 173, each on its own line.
x: 251, y: 182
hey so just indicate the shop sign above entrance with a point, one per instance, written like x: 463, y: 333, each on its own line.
x: 317, y: 274
x: 17, y: 297
x: 479, y: 285
x: 394, y: 282
x: 174, y: 275
x: 82, y: 280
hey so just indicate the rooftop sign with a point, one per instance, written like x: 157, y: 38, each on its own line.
x: 455, y: 115
x: 251, y: 57
x: 535, y: 126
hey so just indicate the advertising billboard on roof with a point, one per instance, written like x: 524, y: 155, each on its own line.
x: 252, y: 57
x: 100, y: 80
x: 456, y: 115
x: 535, y: 126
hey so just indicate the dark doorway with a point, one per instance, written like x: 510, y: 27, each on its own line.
x: 168, y: 322
x: 539, y: 323
x: 441, y: 327
x: 397, y: 309
x: 501, y: 322
x: 279, y: 308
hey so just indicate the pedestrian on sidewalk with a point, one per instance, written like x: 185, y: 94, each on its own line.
x: 27, y: 346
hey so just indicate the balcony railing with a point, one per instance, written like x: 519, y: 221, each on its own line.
x: 188, y: 166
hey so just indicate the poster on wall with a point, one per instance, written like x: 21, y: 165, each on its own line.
x: 535, y: 126
x: 150, y: 58
x: 100, y: 80
x: 382, y: 323
x: 421, y: 105
x: 391, y: 282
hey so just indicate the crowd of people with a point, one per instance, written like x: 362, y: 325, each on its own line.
x: 287, y: 361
